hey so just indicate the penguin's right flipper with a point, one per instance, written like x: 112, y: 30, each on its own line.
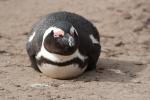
x: 31, y: 54
x: 93, y: 58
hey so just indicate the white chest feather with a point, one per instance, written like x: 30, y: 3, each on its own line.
x: 61, y: 72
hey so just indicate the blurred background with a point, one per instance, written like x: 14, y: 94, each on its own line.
x: 123, y: 71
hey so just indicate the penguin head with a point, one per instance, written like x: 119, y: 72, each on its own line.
x: 63, y: 39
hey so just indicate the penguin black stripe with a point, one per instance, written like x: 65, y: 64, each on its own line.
x: 73, y: 61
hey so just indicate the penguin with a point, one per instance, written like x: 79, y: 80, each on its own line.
x: 63, y: 45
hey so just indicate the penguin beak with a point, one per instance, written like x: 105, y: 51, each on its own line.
x: 66, y: 41
x: 71, y: 41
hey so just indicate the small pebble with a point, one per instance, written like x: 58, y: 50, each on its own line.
x: 38, y: 85
x: 18, y: 85
x: 119, y: 44
x: 139, y: 63
x: 54, y: 85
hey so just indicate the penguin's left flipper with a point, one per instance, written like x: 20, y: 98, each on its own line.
x: 93, y: 57
x: 31, y: 55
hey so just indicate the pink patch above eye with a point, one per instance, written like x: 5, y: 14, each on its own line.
x: 58, y: 33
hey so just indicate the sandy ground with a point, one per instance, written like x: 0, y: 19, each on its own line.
x: 123, y: 71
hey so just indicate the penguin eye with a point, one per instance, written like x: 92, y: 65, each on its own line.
x: 73, y: 31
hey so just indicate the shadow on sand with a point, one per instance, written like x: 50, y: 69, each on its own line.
x: 111, y: 70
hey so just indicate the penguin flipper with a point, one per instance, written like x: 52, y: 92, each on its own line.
x: 31, y: 54
x: 93, y: 58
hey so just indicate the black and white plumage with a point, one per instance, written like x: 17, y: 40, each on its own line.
x: 63, y: 45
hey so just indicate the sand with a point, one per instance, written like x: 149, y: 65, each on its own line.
x: 123, y: 70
